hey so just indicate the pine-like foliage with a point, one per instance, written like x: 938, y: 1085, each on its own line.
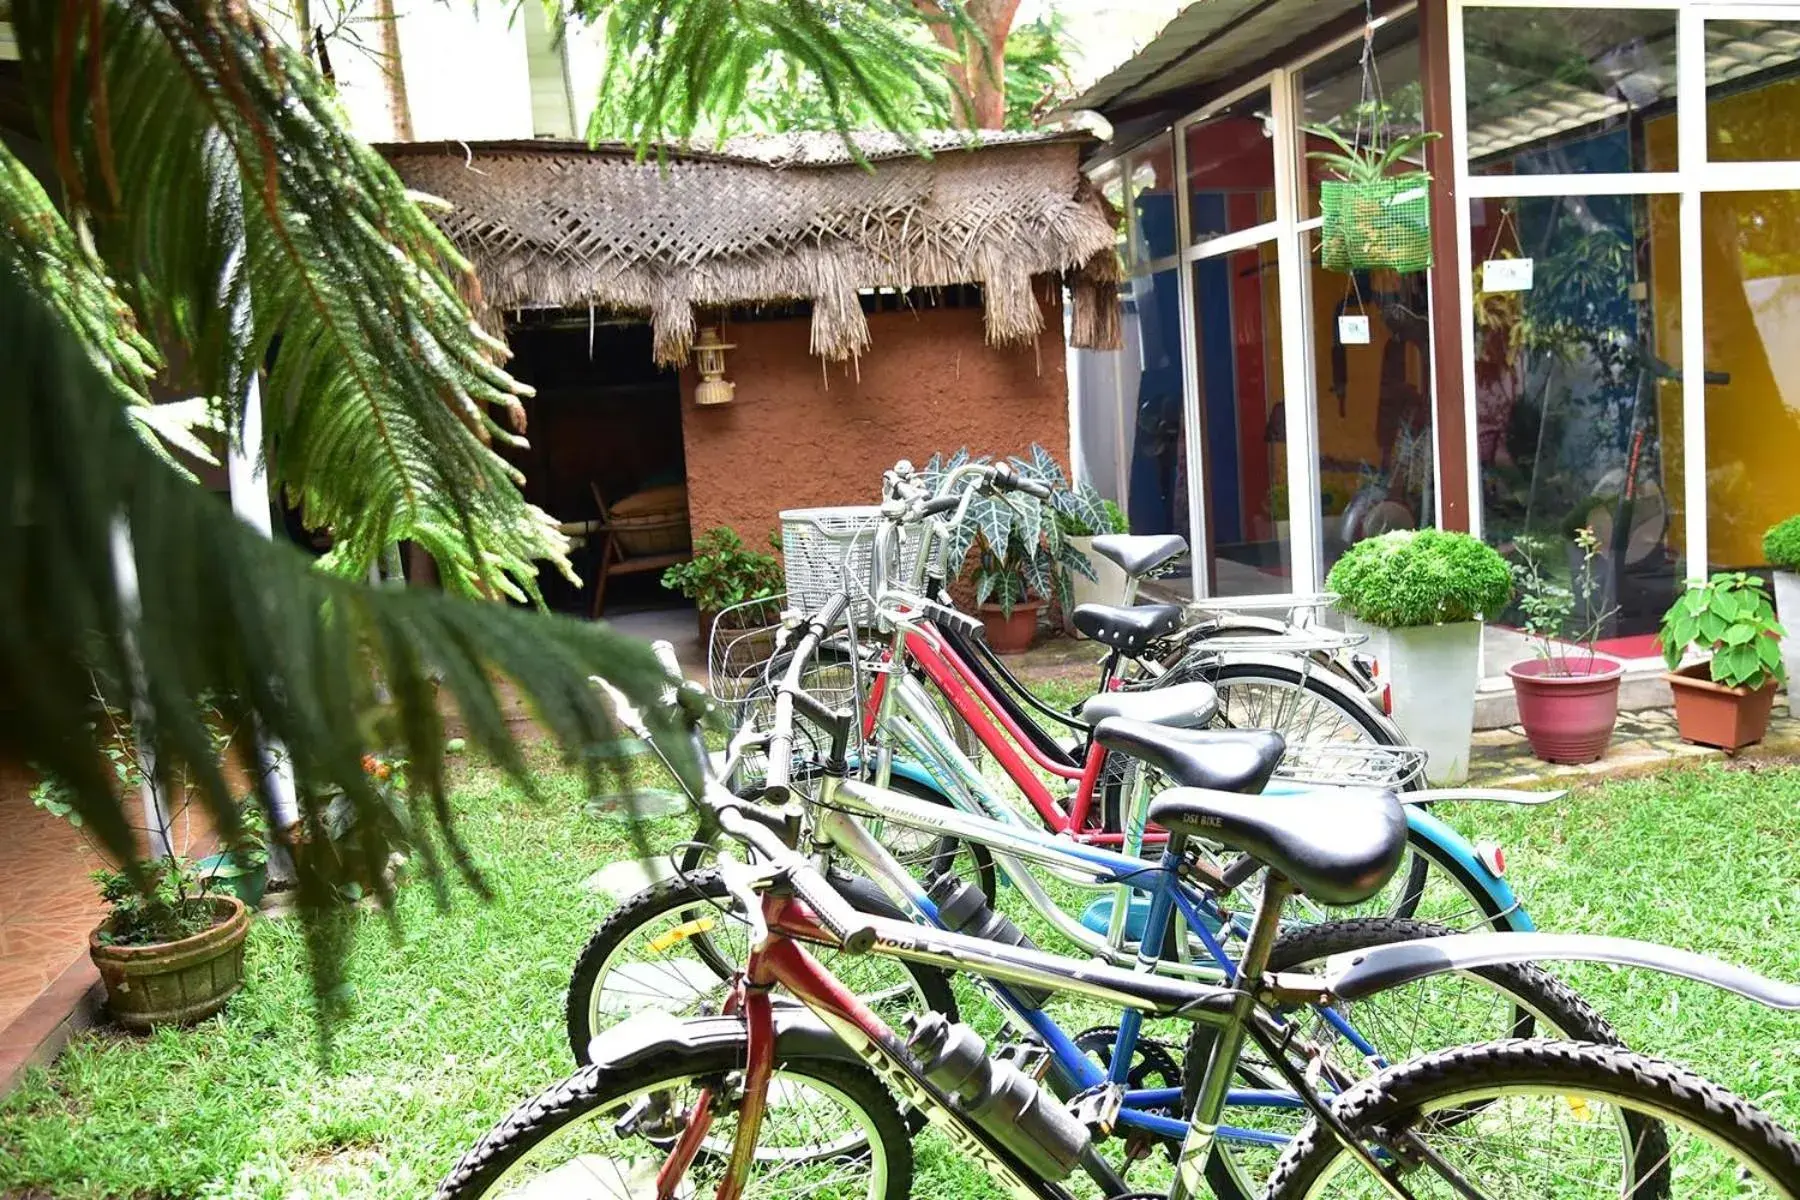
x: 676, y: 68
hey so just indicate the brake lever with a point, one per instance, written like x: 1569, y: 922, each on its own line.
x: 740, y: 880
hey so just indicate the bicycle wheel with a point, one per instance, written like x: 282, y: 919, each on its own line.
x: 1515, y: 1000
x: 830, y: 1131
x: 1539, y: 1119
x: 674, y: 947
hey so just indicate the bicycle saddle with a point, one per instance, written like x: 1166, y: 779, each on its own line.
x: 1142, y: 552
x: 1184, y: 706
x: 1337, y: 846
x: 1219, y: 760
x: 1127, y: 630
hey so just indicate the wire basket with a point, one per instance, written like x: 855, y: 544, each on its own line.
x: 829, y: 549
x: 1351, y: 764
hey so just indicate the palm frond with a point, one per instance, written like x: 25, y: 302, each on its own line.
x: 253, y: 232
x: 331, y: 667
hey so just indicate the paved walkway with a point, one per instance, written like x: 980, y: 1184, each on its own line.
x: 1643, y: 742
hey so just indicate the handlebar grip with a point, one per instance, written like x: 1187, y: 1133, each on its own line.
x: 665, y: 657
x: 1007, y: 476
x: 852, y: 929
x: 941, y: 504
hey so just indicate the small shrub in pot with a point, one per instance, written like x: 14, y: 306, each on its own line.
x: 1419, y: 596
x: 725, y: 577
x: 1725, y: 700
x: 1781, y: 550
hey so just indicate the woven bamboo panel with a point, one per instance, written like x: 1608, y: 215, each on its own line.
x: 559, y: 226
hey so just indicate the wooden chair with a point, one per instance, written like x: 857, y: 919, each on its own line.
x: 633, y: 544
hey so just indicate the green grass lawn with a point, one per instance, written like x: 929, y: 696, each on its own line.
x: 457, y: 1014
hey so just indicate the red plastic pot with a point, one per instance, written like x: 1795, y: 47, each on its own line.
x: 1014, y: 634
x: 1568, y: 708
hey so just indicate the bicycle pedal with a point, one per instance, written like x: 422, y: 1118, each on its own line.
x: 1098, y: 1107
x: 1028, y: 1058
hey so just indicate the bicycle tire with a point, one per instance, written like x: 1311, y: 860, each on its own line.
x: 1541, y: 1003
x: 594, y: 1090
x: 703, y: 891
x: 1661, y: 1094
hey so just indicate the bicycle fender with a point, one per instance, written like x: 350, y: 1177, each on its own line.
x: 1361, y: 973
x: 1424, y: 826
x: 1486, y: 795
x: 798, y: 1034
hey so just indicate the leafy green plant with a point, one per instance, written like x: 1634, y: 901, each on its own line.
x: 724, y: 572
x: 1116, y: 521
x: 1781, y: 545
x: 1365, y: 164
x: 168, y: 899
x: 1731, y: 617
x: 1420, y: 577
x: 1549, y: 605
x: 1021, y: 542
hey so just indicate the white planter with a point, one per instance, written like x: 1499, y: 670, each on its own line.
x: 1108, y: 588
x: 1787, y: 611
x: 1431, y: 672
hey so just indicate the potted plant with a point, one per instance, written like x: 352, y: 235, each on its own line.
x: 1373, y: 219
x: 1419, y: 596
x: 1724, y: 701
x: 1107, y: 583
x: 1781, y: 550
x: 1568, y: 692
x: 1021, y: 557
x: 731, y: 584
x: 171, y: 949
x: 242, y: 866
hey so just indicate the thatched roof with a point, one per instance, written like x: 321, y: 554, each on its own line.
x: 560, y: 225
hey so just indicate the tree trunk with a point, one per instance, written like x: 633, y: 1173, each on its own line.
x: 392, y: 71
x: 979, y: 72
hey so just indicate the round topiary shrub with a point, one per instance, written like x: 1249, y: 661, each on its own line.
x: 1781, y: 545
x: 1420, y: 577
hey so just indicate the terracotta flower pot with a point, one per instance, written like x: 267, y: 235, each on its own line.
x: 1014, y: 634
x: 1568, y: 715
x: 175, y: 982
x: 1712, y: 714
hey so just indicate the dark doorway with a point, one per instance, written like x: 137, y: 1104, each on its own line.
x: 605, y: 425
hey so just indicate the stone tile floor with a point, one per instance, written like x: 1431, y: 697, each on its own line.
x: 1644, y: 741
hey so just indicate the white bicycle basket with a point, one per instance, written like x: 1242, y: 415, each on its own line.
x: 829, y: 549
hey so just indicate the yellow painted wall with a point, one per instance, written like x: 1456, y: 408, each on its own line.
x: 1750, y: 285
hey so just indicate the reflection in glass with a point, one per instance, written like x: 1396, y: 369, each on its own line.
x: 1332, y: 94
x: 1556, y: 90
x: 1750, y: 260
x: 1238, y: 303
x: 1152, y: 180
x: 1752, y: 91
x: 1376, y: 462
x: 1231, y: 169
x: 1156, y: 465
x: 1578, y: 403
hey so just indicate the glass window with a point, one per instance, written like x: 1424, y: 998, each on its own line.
x: 1753, y: 91
x: 1333, y: 94
x: 1231, y: 169
x: 1151, y: 175
x: 1156, y: 460
x: 1238, y: 301
x: 1750, y: 260
x: 1555, y: 91
x: 1578, y: 405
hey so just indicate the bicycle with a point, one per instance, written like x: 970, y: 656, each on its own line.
x: 675, y: 1105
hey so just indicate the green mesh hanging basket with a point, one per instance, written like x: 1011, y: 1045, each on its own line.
x: 1377, y: 224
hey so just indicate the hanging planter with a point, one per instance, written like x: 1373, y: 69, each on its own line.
x: 1373, y: 219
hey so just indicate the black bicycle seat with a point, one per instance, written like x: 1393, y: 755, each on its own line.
x: 1220, y: 760
x: 1142, y: 552
x: 1127, y: 630
x: 1338, y: 846
x: 1189, y: 705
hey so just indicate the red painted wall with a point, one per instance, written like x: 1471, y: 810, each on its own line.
x: 802, y: 433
